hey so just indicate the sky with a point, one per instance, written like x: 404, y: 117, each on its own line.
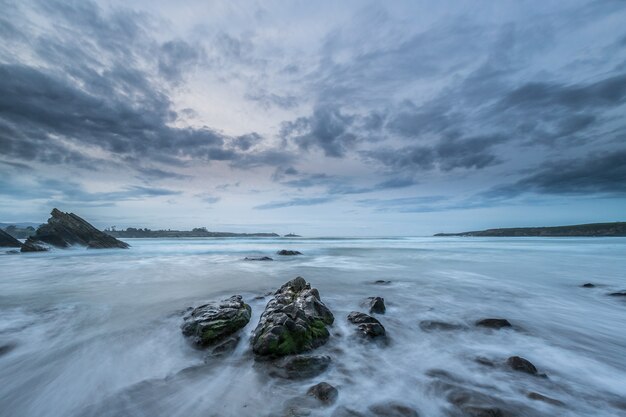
x: 325, y: 118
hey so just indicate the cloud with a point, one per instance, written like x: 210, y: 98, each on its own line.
x: 300, y: 201
x: 176, y: 57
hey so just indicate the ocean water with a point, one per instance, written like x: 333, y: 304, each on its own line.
x: 97, y: 332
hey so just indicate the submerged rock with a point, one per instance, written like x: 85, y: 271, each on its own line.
x: 294, y: 321
x: 257, y: 258
x: 588, y: 285
x: 618, y: 294
x: 539, y: 397
x: 520, y: 364
x: 300, y: 366
x: 8, y: 241
x: 392, y: 410
x: 368, y: 326
x: 493, y: 323
x: 382, y: 282
x: 286, y: 252
x: 67, y: 229
x: 433, y: 325
x: 324, y: 392
x: 212, y: 323
x: 376, y: 305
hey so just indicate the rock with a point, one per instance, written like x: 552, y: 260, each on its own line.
x: 433, y: 325
x: 324, y: 392
x: 520, y: 364
x: 222, y: 348
x: 67, y: 229
x: 4, y: 349
x: 538, y: 397
x: 8, y: 241
x: 382, y: 282
x: 392, y: 410
x: 286, y: 252
x: 482, y: 411
x: 258, y: 258
x: 212, y: 323
x: 493, y: 323
x: 618, y: 294
x: 34, y: 246
x: 376, y: 305
x: 588, y: 285
x: 300, y: 366
x: 342, y: 411
x: 294, y: 321
x: 368, y: 326
x: 12, y: 252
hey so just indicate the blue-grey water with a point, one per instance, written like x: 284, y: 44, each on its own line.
x: 96, y: 332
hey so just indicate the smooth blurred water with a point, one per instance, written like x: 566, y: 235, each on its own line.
x: 96, y: 332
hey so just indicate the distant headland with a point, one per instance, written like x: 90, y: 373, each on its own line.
x: 578, y: 230
x: 132, y: 232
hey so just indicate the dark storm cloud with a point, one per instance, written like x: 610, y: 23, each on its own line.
x: 598, y: 173
x: 327, y: 129
x: 294, y: 202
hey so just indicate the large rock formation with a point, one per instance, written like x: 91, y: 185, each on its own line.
x: 8, y: 241
x: 294, y: 321
x: 67, y: 229
x: 212, y: 323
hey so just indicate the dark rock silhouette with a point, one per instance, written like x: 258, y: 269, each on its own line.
x: 8, y: 241
x: 368, y: 326
x: 257, y: 258
x: 433, y: 325
x: 376, y: 305
x: 285, y: 252
x: 493, y: 323
x: 66, y: 229
x: 522, y: 365
x: 588, y: 285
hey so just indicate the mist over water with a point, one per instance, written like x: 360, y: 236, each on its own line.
x: 97, y: 332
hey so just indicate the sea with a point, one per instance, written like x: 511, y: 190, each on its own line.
x: 97, y: 332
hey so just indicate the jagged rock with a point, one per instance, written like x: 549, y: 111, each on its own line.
x: 212, y: 323
x: 376, y: 305
x: 588, y: 285
x: 34, y: 246
x: 433, y: 325
x: 392, y: 410
x: 67, y: 229
x: 8, y: 241
x: 286, y: 252
x: 300, y: 366
x: 294, y: 321
x: 493, y: 323
x: 257, y: 258
x: 539, y: 397
x: 520, y: 364
x: 324, y: 392
x: 368, y: 326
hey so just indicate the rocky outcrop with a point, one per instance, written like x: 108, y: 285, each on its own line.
x: 285, y: 252
x: 67, y: 229
x: 367, y: 325
x: 493, y: 323
x: 210, y: 324
x: 8, y: 241
x: 376, y: 305
x: 324, y: 392
x: 294, y: 321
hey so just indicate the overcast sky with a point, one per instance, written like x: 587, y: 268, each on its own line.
x: 320, y: 118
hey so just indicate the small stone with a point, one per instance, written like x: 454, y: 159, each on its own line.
x: 324, y: 392
x: 382, y: 282
x: 376, y: 305
x: 493, y: 323
x: 522, y: 365
x: 257, y: 258
x: 368, y: 326
x: 285, y: 252
x: 588, y: 285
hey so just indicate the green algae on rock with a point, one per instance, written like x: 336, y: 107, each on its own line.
x: 212, y: 323
x: 294, y: 321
